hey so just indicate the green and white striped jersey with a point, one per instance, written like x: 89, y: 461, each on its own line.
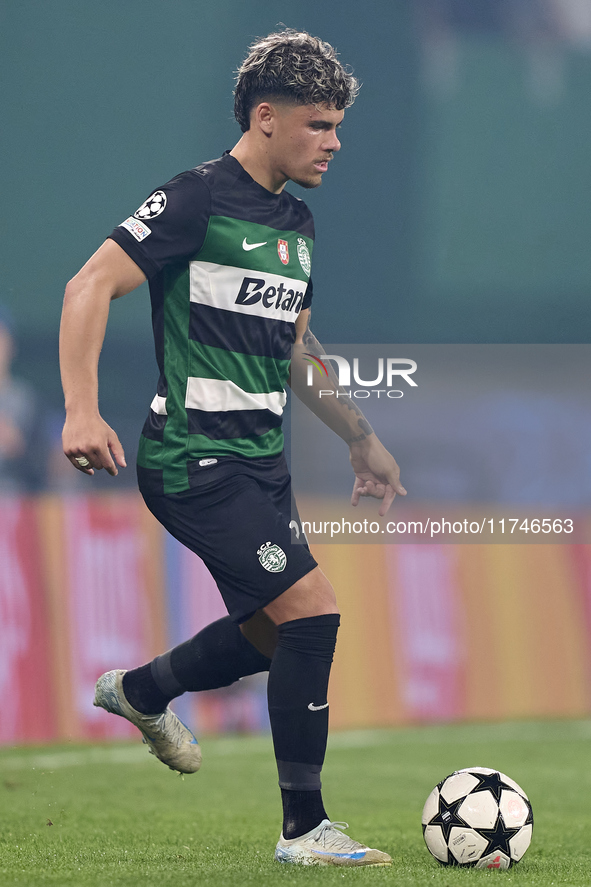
x: 229, y: 269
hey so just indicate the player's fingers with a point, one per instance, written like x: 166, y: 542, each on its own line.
x: 81, y: 463
x: 394, y: 482
x: 106, y: 462
x: 373, y: 489
x: 358, y: 487
x: 389, y: 496
x: 117, y: 450
x: 100, y: 457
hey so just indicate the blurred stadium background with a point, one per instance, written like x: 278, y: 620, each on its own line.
x: 457, y: 212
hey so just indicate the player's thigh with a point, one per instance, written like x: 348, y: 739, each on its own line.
x: 312, y: 595
x: 244, y: 540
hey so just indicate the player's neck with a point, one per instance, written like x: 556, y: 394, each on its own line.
x: 255, y: 160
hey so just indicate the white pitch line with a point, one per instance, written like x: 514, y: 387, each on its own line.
x: 81, y: 758
x: 126, y: 754
x: 526, y: 731
x: 138, y: 754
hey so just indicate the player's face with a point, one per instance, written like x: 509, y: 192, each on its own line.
x: 303, y: 142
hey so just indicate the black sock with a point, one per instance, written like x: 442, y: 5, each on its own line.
x: 142, y: 691
x: 302, y: 811
x: 216, y: 657
x: 298, y: 710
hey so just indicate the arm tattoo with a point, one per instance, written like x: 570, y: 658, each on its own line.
x: 315, y: 348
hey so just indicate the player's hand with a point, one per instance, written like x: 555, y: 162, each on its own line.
x: 90, y: 444
x: 376, y: 473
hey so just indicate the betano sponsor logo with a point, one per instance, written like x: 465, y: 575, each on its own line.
x: 255, y: 289
x: 390, y: 371
x: 251, y: 291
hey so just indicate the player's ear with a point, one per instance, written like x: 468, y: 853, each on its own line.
x: 264, y: 115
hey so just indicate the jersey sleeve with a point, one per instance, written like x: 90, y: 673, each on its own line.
x: 170, y: 226
x: 308, y: 296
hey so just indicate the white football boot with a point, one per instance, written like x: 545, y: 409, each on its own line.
x: 165, y: 735
x: 327, y: 845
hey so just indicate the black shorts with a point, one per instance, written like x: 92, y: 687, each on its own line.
x: 238, y: 517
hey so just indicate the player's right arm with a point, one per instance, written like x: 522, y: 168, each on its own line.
x: 109, y: 274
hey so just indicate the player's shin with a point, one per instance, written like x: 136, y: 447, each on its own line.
x: 298, y: 710
x: 215, y: 657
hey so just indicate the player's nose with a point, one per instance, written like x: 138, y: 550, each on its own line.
x: 332, y: 142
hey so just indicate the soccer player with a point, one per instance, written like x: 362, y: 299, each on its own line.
x: 227, y: 252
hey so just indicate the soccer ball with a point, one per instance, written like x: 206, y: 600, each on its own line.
x: 478, y: 817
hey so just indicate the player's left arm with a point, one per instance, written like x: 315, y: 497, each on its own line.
x: 376, y: 471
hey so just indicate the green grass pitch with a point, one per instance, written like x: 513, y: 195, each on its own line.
x: 99, y: 816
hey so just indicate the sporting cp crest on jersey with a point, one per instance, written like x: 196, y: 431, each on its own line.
x: 272, y: 558
x: 283, y: 250
x: 304, y: 256
x: 152, y: 207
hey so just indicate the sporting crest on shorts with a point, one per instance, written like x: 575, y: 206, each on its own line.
x: 272, y: 557
x: 283, y: 250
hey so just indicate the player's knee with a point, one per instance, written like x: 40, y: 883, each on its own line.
x: 310, y: 596
x: 261, y: 632
x: 325, y: 602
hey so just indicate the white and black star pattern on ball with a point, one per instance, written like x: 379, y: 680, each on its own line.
x: 477, y: 817
x: 152, y: 207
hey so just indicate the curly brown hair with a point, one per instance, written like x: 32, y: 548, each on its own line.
x: 294, y: 66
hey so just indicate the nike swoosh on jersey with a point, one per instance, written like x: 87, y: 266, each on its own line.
x: 249, y: 246
x: 313, y: 707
